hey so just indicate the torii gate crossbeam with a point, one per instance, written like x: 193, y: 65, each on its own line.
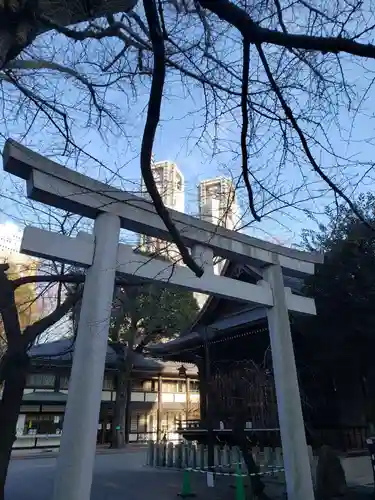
x: 102, y: 255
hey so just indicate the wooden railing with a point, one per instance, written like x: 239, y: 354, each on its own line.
x: 188, y: 424
x: 341, y: 438
x: 344, y: 438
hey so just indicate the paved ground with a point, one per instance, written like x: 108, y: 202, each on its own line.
x: 116, y: 477
x: 358, y: 470
x: 123, y: 476
x: 53, y: 452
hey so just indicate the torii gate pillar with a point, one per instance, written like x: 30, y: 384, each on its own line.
x: 78, y: 444
x: 292, y: 429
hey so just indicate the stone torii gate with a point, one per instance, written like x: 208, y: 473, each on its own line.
x: 103, y: 257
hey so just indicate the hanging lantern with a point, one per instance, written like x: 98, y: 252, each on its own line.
x: 182, y: 372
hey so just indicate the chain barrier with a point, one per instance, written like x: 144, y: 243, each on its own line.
x: 241, y: 463
x: 233, y: 464
x: 235, y: 474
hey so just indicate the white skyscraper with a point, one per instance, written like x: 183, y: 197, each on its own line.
x: 217, y: 202
x: 217, y: 205
x: 10, y: 246
x: 170, y: 183
x: 10, y: 239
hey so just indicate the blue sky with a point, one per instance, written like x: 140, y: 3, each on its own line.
x: 179, y: 128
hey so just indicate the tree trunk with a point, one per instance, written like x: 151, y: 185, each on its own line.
x: 119, y: 417
x: 257, y: 486
x: 23, y: 29
x: 123, y: 395
x: 15, y: 373
x: 127, y: 409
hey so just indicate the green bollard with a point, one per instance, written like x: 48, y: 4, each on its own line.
x: 186, y: 491
x: 240, y: 487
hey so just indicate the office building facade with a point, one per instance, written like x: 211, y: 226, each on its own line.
x: 170, y: 183
x: 217, y: 202
x: 217, y: 205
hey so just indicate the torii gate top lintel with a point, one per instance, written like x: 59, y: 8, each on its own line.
x: 51, y: 183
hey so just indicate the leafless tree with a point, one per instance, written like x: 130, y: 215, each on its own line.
x: 279, y: 87
x: 14, y: 363
x: 277, y: 80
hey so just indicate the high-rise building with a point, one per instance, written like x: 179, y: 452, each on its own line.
x: 170, y: 183
x: 217, y: 202
x: 10, y: 239
x: 217, y: 205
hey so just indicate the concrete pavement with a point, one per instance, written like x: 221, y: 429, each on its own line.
x: 53, y: 452
x: 116, y: 477
x: 123, y: 476
x: 358, y: 470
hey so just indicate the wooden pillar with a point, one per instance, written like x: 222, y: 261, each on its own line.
x: 208, y: 419
x: 202, y: 391
x: 56, y: 385
x: 159, y: 410
x: 187, y: 397
x: 104, y: 426
x: 129, y: 386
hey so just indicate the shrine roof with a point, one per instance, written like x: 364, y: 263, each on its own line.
x: 220, y: 318
x: 60, y: 353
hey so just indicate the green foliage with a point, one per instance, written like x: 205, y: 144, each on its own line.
x: 147, y: 308
x: 337, y: 344
x: 343, y: 286
x: 342, y: 333
x: 169, y: 309
x: 341, y: 225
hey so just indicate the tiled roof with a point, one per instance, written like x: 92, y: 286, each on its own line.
x: 60, y: 352
x: 224, y: 325
x: 44, y: 396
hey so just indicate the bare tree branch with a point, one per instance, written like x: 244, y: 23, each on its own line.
x: 75, y: 278
x: 22, y: 64
x: 31, y: 332
x: 152, y: 120
x: 290, y: 116
x: 114, y: 30
x: 238, y: 17
x: 245, y: 126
